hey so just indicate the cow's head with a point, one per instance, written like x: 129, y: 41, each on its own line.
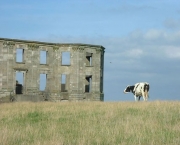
x: 129, y: 89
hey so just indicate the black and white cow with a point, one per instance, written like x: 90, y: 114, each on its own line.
x: 139, y: 89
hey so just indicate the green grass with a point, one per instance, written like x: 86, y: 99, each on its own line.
x: 90, y: 123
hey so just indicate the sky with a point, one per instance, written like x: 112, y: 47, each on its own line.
x: 141, y: 38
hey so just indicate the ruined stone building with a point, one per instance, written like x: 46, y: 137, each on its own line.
x: 69, y: 71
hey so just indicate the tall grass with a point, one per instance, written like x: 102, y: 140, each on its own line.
x: 90, y: 123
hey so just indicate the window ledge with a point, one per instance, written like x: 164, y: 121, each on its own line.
x: 20, y: 62
x: 44, y: 64
x: 65, y: 65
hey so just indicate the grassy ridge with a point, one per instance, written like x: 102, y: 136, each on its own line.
x: 90, y: 123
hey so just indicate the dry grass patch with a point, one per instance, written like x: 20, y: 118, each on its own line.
x: 90, y: 123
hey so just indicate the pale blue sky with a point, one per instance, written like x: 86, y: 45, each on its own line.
x: 142, y: 38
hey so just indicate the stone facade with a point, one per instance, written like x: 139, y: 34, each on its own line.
x: 72, y: 71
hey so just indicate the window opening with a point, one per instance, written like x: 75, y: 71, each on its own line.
x: 66, y: 58
x: 19, y: 82
x: 42, y: 82
x: 43, y: 57
x: 63, y: 83
x: 19, y: 55
x: 89, y: 59
x: 88, y: 85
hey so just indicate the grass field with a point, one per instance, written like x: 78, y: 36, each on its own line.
x: 90, y: 123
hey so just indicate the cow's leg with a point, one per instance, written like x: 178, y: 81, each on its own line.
x: 139, y: 98
x: 135, y: 98
x: 144, y: 96
x: 147, y: 96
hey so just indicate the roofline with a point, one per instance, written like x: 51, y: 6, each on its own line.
x: 49, y: 43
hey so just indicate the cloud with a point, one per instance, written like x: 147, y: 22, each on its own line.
x: 134, y: 53
x: 154, y: 34
x: 137, y: 46
x: 173, y: 52
x: 172, y: 23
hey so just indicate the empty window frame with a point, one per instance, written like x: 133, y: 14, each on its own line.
x: 65, y: 58
x: 88, y: 85
x: 42, y: 82
x: 19, y: 55
x: 63, y: 83
x: 19, y: 82
x: 88, y: 59
x: 43, y: 57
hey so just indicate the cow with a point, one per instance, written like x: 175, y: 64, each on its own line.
x: 139, y: 89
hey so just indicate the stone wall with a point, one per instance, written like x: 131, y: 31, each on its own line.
x: 72, y: 71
